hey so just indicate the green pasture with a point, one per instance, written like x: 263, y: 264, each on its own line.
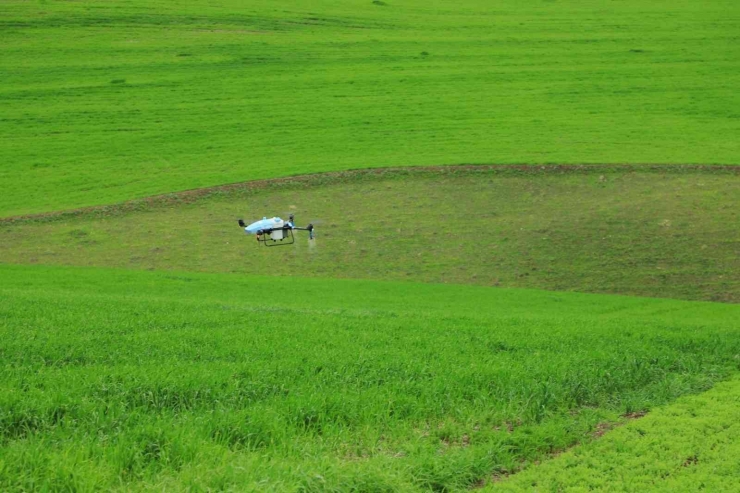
x: 385, y: 355
x: 102, y: 102
x: 123, y: 380
x: 690, y: 445
x: 663, y: 233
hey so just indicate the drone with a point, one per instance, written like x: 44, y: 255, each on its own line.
x: 274, y: 231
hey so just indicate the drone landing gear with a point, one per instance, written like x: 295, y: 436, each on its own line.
x: 276, y: 237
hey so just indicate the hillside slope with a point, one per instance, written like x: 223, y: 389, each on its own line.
x: 104, y: 102
x: 665, y: 233
x: 134, y: 380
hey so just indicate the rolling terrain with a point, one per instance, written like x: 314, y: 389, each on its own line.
x: 115, y: 379
x: 106, y: 102
x: 473, y: 170
x: 667, y: 232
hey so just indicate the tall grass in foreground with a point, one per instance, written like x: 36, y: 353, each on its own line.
x: 126, y: 380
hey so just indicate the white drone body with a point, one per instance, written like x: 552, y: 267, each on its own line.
x: 274, y: 231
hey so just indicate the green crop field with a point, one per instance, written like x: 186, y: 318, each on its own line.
x: 688, y: 446
x: 106, y: 101
x: 133, y: 380
x: 526, y: 270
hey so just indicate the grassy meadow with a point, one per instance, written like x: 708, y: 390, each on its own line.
x: 102, y: 102
x: 664, y: 233
x: 123, y: 380
x: 147, y: 344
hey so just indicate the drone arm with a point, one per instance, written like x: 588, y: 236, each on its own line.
x: 308, y: 228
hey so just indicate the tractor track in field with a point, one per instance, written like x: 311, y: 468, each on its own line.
x: 601, y: 429
x: 335, y: 177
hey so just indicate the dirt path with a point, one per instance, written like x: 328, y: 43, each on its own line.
x: 317, y: 179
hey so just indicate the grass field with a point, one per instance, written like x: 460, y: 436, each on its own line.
x: 134, y: 380
x: 102, y: 102
x: 147, y: 344
x: 688, y: 446
x: 664, y: 233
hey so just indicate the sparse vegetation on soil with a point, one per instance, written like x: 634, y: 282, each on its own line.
x: 661, y: 233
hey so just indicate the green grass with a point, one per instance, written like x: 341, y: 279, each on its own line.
x: 691, y: 445
x: 666, y: 234
x: 107, y: 101
x: 248, y: 377
x: 115, y: 379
